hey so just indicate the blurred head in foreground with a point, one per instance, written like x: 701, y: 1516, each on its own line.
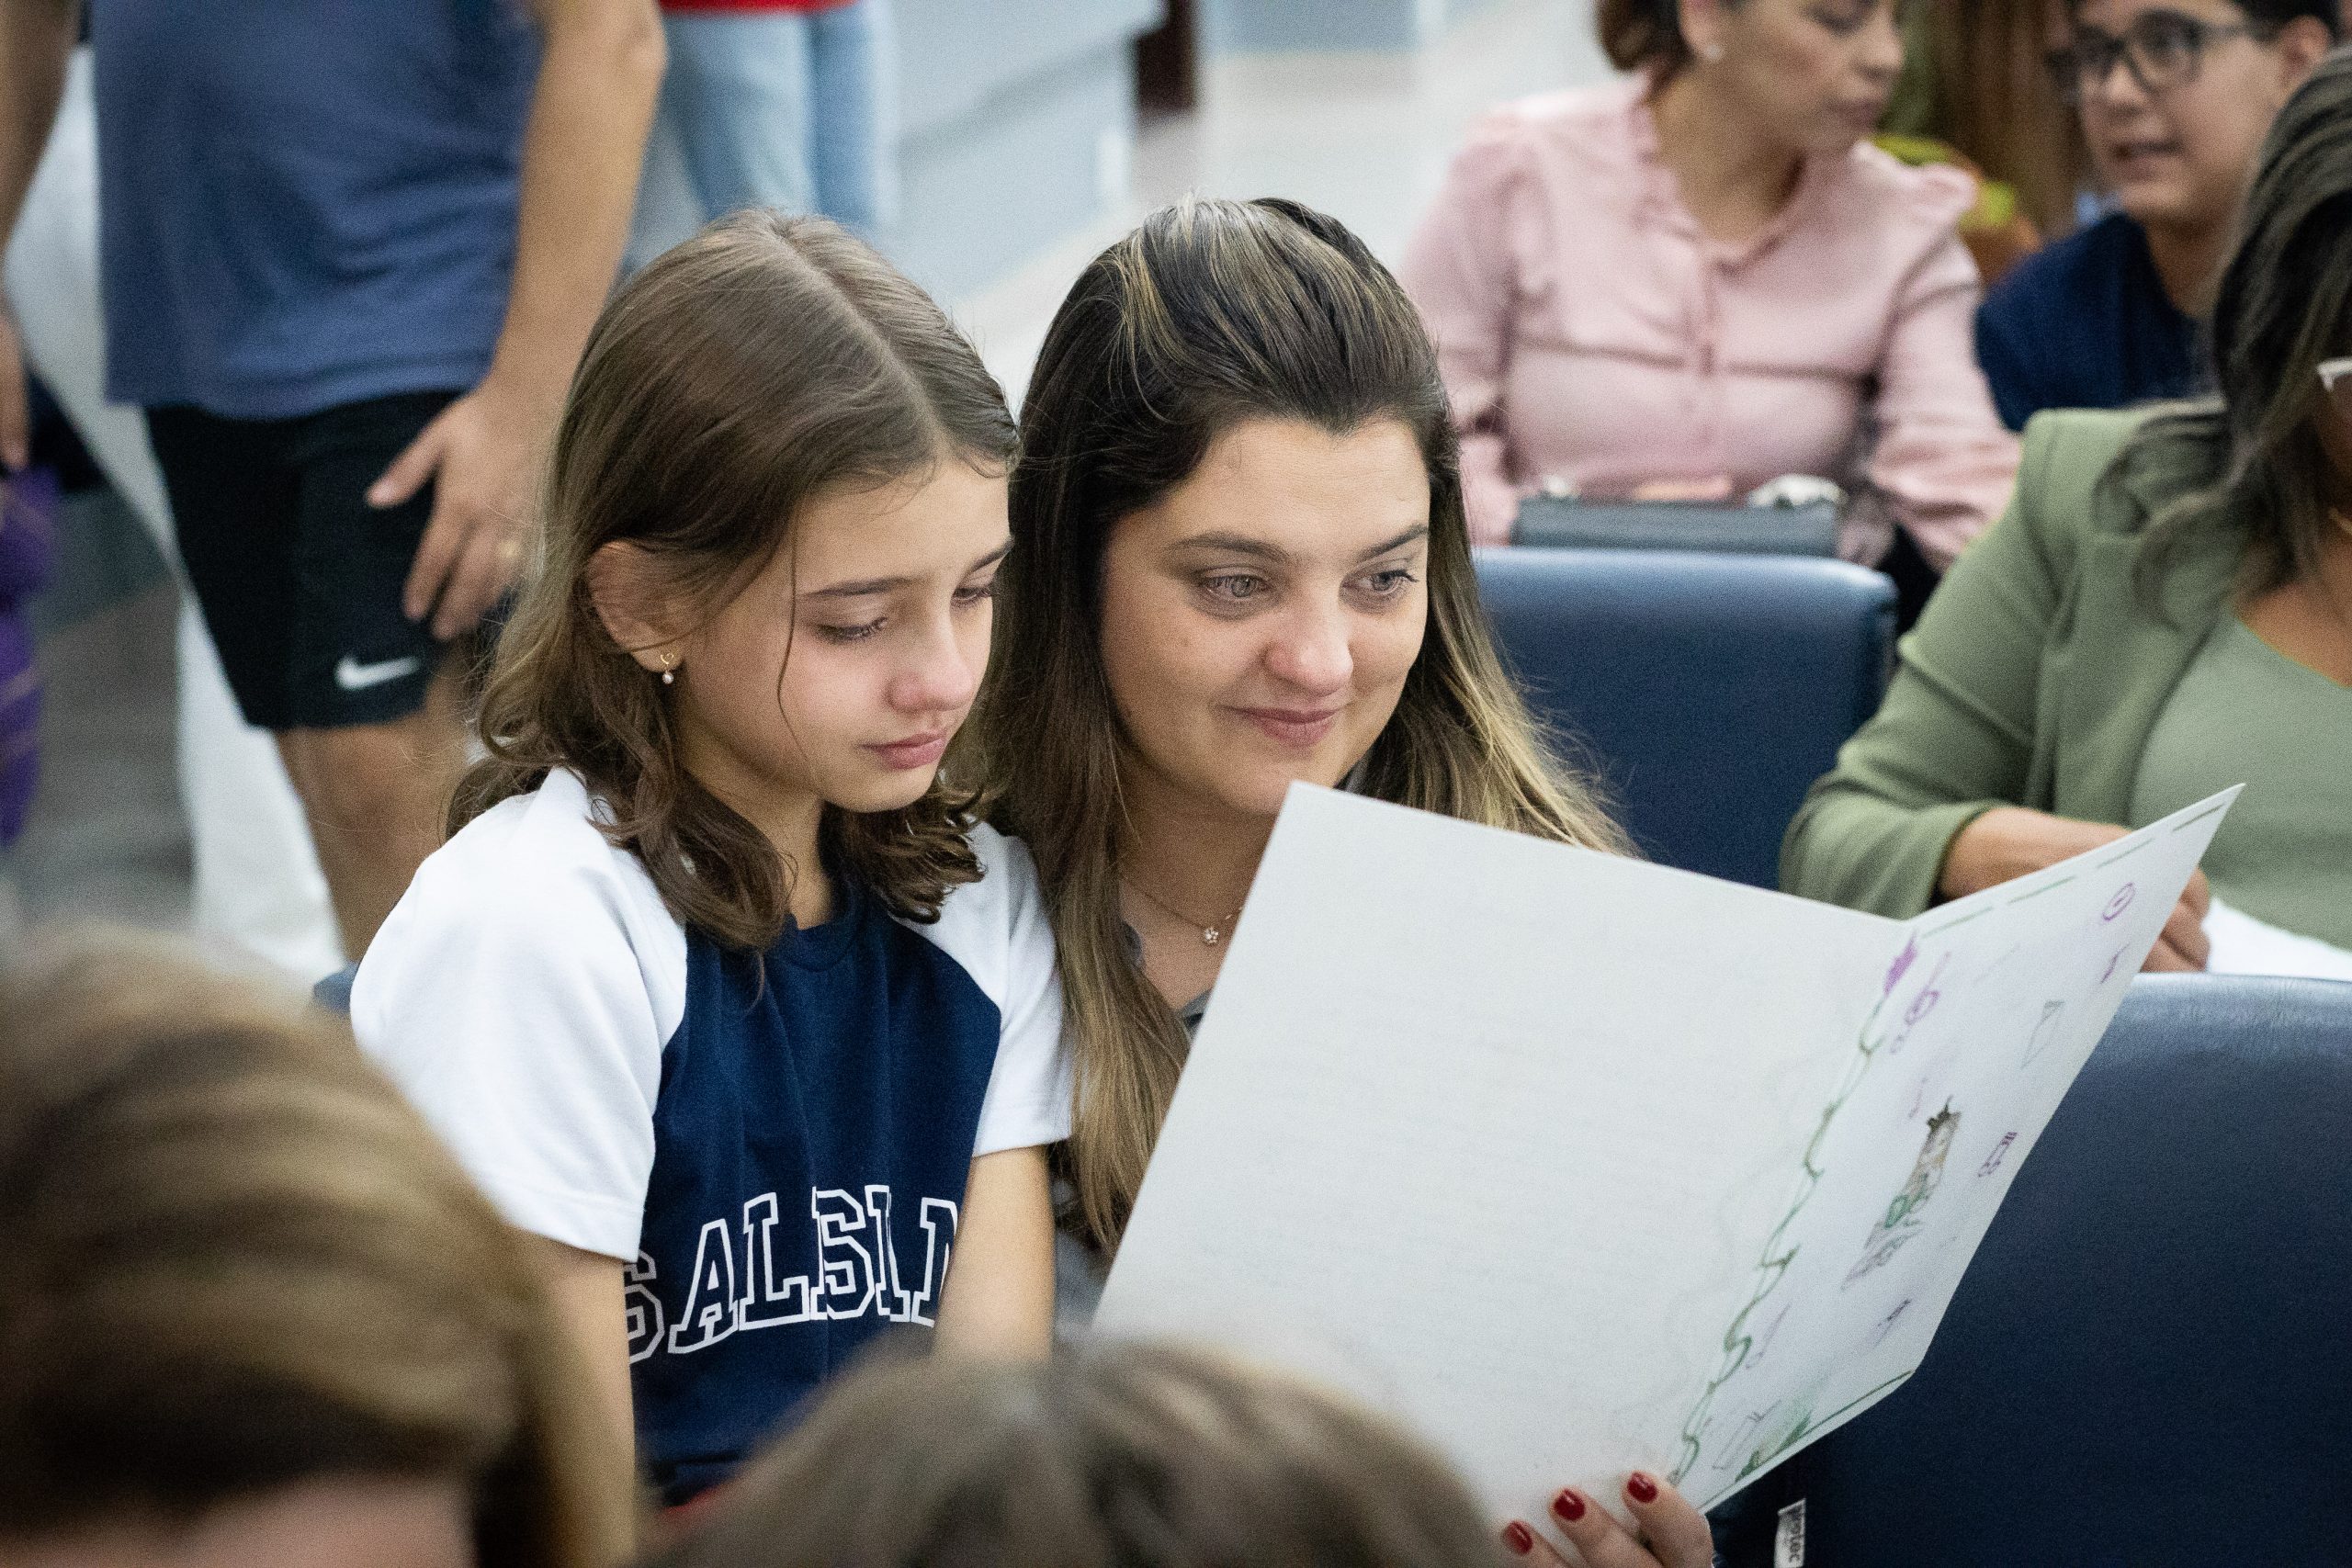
x: 1132, y: 1456
x: 252, y: 1312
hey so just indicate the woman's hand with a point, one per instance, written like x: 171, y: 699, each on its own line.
x: 2010, y: 841
x: 1673, y: 1533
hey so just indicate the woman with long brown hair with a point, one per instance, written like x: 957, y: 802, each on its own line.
x: 716, y: 988
x: 253, y: 1311
x: 1240, y: 561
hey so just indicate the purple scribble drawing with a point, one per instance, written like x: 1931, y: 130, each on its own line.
x: 2121, y: 902
x: 2000, y: 1151
x: 1887, y: 1324
x: 1903, y: 962
x: 1925, y: 1002
x: 2111, y: 963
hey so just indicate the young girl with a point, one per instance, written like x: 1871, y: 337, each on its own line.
x: 713, y: 988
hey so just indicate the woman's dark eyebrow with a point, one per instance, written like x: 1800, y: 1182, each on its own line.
x: 1235, y: 544
x: 1417, y: 532
x: 990, y: 558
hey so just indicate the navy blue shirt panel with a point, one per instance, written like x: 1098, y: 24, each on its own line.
x: 306, y: 205
x: 811, y: 1137
x: 2085, y: 322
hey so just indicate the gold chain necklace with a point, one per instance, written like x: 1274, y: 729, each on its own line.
x: 1212, y: 932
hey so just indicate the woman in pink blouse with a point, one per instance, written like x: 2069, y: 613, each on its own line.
x: 1702, y: 277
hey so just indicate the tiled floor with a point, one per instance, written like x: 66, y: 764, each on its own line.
x: 1364, y: 138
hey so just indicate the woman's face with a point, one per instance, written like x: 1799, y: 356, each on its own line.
x: 349, y: 1523
x: 1812, y: 75
x: 1259, y: 619
x: 2180, y: 155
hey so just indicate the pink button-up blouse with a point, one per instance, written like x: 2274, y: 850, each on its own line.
x: 1593, y: 338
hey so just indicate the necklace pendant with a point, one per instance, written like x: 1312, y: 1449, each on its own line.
x: 1210, y: 936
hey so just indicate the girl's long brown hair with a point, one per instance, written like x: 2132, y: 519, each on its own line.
x: 1211, y: 314
x: 237, y: 1261
x: 761, y: 362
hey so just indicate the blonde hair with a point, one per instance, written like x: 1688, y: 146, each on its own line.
x: 1210, y: 314
x: 236, y: 1261
x: 1109, y: 1456
x: 766, y: 360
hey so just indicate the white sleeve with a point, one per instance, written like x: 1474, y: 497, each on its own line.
x: 997, y: 928
x: 518, y: 1015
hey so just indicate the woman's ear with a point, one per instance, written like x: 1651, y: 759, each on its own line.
x: 2302, y: 44
x: 632, y: 601
x: 1702, y: 25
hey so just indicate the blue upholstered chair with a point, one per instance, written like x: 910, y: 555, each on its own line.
x: 1707, y: 691
x: 2150, y: 1360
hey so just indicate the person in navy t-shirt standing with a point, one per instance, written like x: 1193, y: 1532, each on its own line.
x: 719, y: 989
x: 349, y: 252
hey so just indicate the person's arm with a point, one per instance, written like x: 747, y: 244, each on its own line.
x: 1000, y: 1294
x: 584, y: 1293
x: 35, y: 41
x: 600, y: 69
x: 1459, y: 271
x: 1923, y: 805
x: 1943, y: 459
x: 1954, y: 738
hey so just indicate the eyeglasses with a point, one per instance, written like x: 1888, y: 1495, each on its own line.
x: 2160, y: 49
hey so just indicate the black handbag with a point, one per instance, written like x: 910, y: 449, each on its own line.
x: 1723, y: 527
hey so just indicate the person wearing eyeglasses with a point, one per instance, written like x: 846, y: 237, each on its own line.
x: 2175, y: 96
x: 2165, y: 611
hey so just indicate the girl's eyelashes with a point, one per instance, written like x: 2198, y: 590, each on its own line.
x: 976, y: 593
x: 851, y: 634
x: 1389, y: 582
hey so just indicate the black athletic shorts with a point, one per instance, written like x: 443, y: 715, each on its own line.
x: 299, y: 578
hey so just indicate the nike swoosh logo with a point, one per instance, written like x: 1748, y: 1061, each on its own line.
x: 353, y: 676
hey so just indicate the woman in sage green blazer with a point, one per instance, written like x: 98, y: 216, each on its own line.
x: 2147, y: 560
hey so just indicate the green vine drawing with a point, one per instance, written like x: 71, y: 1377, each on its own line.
x: 1778, y: 1255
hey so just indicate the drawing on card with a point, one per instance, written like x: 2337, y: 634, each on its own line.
x: 2045, y: 1030
x: 2121, y: 902
x: 1902, y: 1219
x: 2000, y: 1151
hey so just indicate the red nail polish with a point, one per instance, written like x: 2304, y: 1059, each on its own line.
x: 1568, y: 1505
x: 1519, y: 1538
x: 1640, y: 1488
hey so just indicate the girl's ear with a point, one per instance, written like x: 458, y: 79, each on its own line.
x: 631, y: 600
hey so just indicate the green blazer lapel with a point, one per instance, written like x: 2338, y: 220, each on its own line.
x: 2122, y: 661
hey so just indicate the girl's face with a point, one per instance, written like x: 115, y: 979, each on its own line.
x: 1812, y: 75
x: 1259, y: 619
x: 2179, y: 150
x: 843, y: 669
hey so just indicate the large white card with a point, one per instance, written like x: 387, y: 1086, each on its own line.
x: 1578, y: 1164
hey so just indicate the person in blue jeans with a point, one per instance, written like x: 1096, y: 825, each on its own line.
x: 348, y: 255
x: 786, y: 104
x: 2175, y: 96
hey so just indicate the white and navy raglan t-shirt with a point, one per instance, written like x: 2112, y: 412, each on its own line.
x: 774, y: 1147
